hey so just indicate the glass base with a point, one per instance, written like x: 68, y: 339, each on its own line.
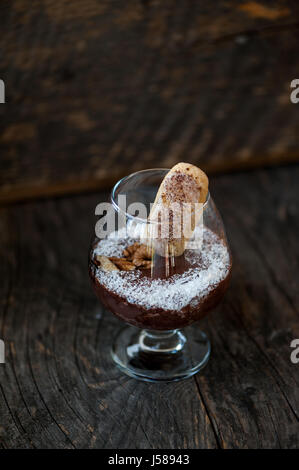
x: 161, y: 356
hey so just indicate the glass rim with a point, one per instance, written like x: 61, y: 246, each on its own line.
x: 131, y: 175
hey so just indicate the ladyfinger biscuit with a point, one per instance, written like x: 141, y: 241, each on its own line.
x: 177, y: 208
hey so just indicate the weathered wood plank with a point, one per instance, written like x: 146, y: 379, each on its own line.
x: 94, y: 88
x: 58, y: 387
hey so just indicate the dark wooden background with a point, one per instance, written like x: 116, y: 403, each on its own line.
x: 95, y: 90
x: 94, y: 87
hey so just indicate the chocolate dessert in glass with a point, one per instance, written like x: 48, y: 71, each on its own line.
x: 158, y: 276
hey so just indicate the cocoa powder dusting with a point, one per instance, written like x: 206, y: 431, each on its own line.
x: 181, y: 188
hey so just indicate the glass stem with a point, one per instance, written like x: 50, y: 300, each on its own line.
x: 161, y: 342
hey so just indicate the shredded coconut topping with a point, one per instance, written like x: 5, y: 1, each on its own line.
x: 209, y: 266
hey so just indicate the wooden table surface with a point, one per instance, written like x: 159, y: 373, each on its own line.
x: 59, y: 388
x: 94, y: 87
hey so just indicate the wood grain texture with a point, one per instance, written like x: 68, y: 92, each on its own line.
x: 94, y: 88
x: 59, y: 389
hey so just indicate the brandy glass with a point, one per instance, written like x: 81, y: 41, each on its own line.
x: 162, y: 299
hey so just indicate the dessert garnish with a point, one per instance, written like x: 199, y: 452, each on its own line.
x: 122, y: 263
x: 142, y: 257
x: 105, y: 263
x: 182, y: 191
x: 134, y: 256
